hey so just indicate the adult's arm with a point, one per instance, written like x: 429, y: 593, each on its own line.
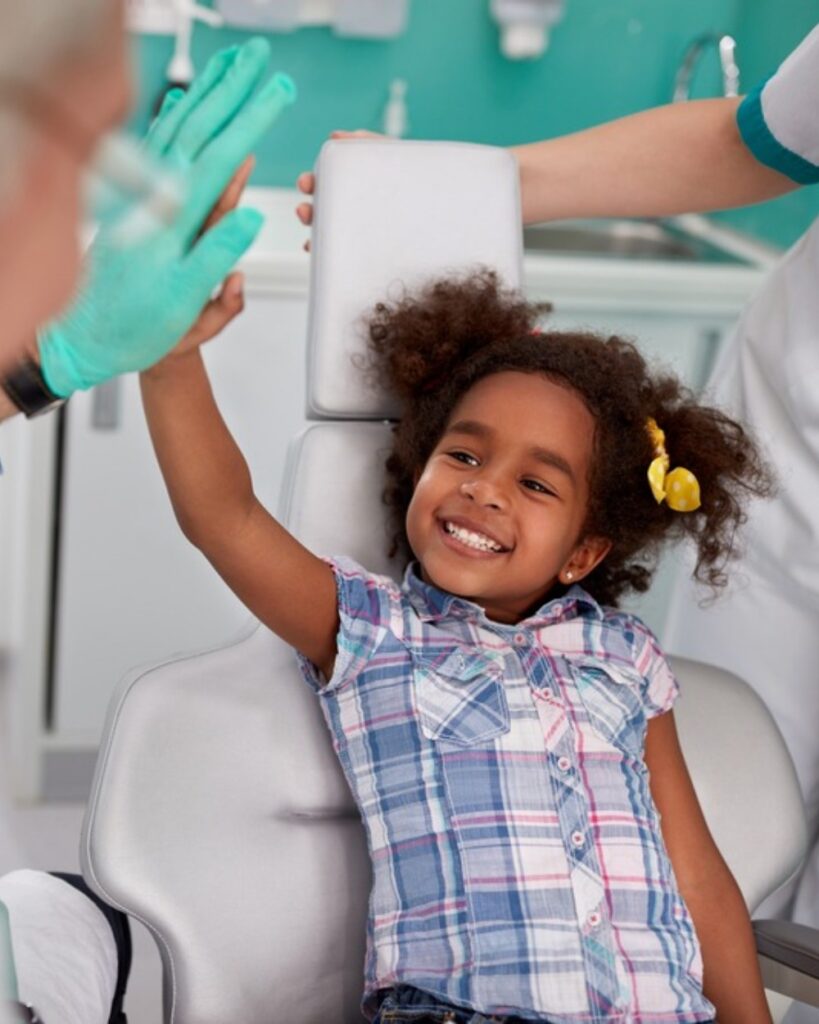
x: 671, y: 159
x: 701, y: 155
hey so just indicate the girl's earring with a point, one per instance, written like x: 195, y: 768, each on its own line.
x: 569, y: 575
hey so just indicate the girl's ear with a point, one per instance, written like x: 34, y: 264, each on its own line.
x: 585, y: 558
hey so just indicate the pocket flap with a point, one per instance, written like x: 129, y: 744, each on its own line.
x: 460, y: 664
x: 605, y: 672
x: 460, y: 698
x: 613, y: 697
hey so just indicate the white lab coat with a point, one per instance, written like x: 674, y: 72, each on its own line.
x: 766, y: 628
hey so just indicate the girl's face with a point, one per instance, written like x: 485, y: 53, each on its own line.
x: 497, y: 513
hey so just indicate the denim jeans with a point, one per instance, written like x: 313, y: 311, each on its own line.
x: 403, y: 1003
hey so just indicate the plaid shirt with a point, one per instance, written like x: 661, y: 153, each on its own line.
x: 517, y: 857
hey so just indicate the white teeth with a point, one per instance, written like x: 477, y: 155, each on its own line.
x: 472, y: 540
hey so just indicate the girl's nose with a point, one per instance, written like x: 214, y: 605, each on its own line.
x: 484, y: 492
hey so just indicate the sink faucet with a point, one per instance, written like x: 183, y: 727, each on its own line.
x: 730, y: 72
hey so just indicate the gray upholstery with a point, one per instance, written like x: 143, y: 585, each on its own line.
x: 220, y: 819
x: 219, y: 816
x: 744, y: 777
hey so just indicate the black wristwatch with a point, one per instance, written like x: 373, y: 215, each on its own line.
x: 25, y: 1012
x: 27, y: 389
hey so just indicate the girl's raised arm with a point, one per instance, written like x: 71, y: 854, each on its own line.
x: 286, y: 586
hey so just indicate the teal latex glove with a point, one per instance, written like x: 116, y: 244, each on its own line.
x: 138, y: 302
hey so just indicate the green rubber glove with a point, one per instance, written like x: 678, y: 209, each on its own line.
x: 138, y: 302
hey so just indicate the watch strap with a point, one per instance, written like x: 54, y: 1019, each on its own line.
x: 23, y: 1012
x: 27, y: 389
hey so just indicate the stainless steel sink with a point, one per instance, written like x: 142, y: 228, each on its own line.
x: 624, y: 239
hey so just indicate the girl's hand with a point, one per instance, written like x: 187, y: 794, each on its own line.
x: 306, y: 181
x: 230, y: 301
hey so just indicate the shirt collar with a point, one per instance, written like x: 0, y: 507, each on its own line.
x: 434, y: 605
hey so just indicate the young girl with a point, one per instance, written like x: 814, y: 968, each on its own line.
x: 538, y: 850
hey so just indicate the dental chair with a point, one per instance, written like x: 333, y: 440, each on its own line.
x: 219, y: 816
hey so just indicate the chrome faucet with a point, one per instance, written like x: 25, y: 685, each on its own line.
x: 730, y: 72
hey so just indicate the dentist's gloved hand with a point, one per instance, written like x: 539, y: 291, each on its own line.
x: 138, y: 301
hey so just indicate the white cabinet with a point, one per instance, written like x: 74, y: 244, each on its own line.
x: 130, y: 588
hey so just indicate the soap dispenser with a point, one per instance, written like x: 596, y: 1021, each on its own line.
x: 525, y: 26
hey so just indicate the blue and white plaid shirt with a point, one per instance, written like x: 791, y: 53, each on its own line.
x: 518, y: 862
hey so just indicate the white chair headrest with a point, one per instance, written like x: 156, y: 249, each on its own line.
x: 386, y: 217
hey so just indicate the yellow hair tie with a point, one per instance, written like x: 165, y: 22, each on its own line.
x: 679, y: 489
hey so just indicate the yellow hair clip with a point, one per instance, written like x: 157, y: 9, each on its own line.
x: 679, y: 489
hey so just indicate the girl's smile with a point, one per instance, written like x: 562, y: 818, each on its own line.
x: 467, y: 536
x: 498, y: 511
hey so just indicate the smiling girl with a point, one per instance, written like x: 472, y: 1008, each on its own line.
x: 538, y: 850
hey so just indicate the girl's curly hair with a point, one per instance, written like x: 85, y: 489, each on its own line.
x: 431, y: 347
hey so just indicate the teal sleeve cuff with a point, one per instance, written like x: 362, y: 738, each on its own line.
x: 758, y: 137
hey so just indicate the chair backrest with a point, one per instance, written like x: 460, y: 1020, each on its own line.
x: 219, y: 816
x: 744, y: 777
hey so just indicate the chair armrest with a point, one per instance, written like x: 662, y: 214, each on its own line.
x: 789, y: 959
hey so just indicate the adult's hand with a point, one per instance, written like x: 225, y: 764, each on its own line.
x: 306, y: 181
x: 139, y: 301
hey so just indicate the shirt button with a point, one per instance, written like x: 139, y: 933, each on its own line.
x: 520, y: 638
x: 578, y: 838
x: 564, y: 763
x: 594, y: 919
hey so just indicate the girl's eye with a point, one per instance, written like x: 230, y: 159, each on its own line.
x: 464, y: 457
x: 536, y: 485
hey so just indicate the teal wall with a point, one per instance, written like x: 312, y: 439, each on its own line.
x: 607, y: 58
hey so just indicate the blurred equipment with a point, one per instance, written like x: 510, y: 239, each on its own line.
x: 180, y: 70
x: 726, y: 47
x: 395, y: 110
x: 367, y: 19
x: 155, y: 17
x: 525, y: 26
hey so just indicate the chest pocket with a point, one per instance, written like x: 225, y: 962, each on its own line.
x: 612, y: 697
x: 460, y: 698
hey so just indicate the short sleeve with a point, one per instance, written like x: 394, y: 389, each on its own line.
x: 777, y: 120
x: 660, y: 687
x: 368, y: 606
